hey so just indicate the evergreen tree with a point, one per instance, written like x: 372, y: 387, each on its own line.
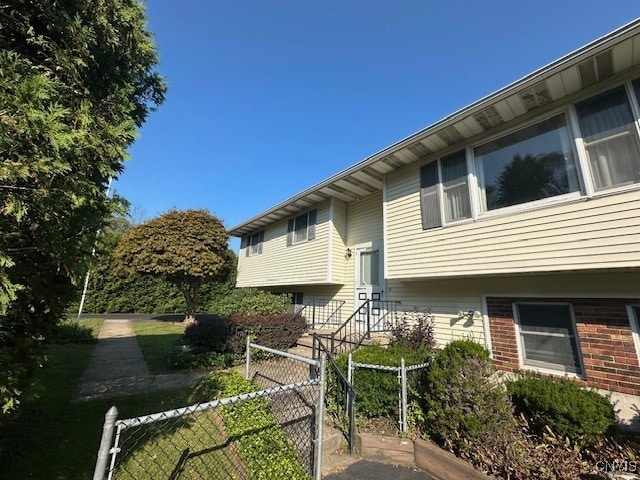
x: 77, y: 77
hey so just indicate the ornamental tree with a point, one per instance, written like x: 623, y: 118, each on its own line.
x: 187, y: 248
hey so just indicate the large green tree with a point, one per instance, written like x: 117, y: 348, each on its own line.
x: 187, y: 248
x: 77, y: 77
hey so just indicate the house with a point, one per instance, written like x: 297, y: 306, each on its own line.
x: 516, y: 220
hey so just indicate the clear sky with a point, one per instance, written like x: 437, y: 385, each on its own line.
x: 267, y: 98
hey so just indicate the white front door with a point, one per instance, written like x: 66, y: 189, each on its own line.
x: 369, y: 283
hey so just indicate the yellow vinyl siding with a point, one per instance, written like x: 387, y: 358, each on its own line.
x: 597, y: 233
x: 364, y: 220
x: 339, y: 242
x: 302, y: 263
x: 445, y: 301
x: 446, y: 297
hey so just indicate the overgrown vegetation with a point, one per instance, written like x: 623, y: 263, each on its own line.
x: 71, y: 331
x: 76, y: 81
x: 563, y: 407
x: 468, y: 411
x: 465, y: 405
x: 263, y: 446
x: 414, y: 329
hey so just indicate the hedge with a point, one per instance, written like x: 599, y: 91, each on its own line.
x: 564, y: 407
x: 377, y: 391
x: 228, y: 334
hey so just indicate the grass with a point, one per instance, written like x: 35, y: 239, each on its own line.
x: 53, y: 438
x: 184, y: 448
x: 155, y: 339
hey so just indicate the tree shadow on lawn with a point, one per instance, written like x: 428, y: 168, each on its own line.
x: 193, y: 446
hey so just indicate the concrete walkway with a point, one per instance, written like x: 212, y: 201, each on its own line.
x: 117, y: 367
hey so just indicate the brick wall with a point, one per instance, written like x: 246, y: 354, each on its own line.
x: 605, y: 339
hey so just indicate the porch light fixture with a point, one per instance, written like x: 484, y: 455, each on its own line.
x: 349, y: 253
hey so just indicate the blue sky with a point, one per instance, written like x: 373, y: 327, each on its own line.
x: 267, y: 98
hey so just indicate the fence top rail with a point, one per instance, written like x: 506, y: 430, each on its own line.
x: 199, y: 407
x: 416, y: 367
x: 387, y: 367
x: 280, y: 353
x: 375, y: 367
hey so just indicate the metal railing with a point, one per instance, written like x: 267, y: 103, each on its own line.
x: 339, y: 393
x: 371, y: 316
x: 321, y: 313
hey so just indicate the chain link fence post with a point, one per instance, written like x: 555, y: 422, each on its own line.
x: 403, y: 390
x: 105, y: 443
x: 247, y: 365
x: 320, y: 417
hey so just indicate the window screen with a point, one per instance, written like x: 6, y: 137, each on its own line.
x: 547, y: 337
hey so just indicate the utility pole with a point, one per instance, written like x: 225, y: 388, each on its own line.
x: 93, y: 254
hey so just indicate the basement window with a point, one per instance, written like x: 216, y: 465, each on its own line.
x: 547, y: 337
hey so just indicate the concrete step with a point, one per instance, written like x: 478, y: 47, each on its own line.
x: 335, y: 455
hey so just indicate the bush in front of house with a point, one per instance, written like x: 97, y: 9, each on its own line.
x: 464, y: 403
x: 229, y: 334
x: 377, y: 391
x: 563, y: 406
x: 249, y: 301
x: 220, y: 342
x: 414, y: 329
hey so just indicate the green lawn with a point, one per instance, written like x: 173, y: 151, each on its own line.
x: 155, y: 339
x: 54, y: 438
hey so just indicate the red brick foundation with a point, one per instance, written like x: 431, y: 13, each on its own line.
x: 604, y: 335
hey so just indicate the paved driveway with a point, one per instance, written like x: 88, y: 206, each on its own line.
x: 367, y: 470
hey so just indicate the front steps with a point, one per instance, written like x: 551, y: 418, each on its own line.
x: 304, y: 345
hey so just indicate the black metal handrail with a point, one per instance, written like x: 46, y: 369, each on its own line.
x: 357, y: 328
x: 339, y: 394
x: 320, y: 313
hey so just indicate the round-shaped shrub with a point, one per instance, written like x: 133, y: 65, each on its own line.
x: 465, y: 405
x: 563, y: 406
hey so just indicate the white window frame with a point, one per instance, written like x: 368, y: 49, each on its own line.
x: 479, y: 172
x: 634, y: 322
x: 520, y: 345
x: 306, y: 230
x: 586, y: 188
x: 250, y: 245
x: 441, y: 199
x: 579, y: 140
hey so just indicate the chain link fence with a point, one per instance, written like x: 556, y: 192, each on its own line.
x: 274, y: 430
x: 403, y: 373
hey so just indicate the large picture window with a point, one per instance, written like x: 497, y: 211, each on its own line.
x: 531, y: 164
x: 538, y: 164
x: 547, y: 337
x: 610, y: 139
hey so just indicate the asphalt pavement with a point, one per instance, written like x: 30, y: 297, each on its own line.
x: 368, y: 470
